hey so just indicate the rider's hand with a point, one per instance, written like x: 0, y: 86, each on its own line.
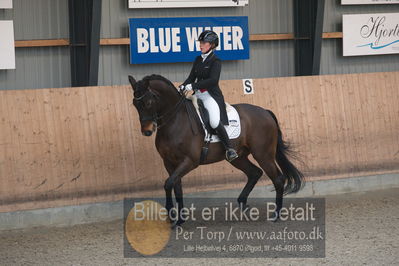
x: 188, y: 87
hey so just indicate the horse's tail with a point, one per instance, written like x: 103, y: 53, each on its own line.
x: 294, y: 178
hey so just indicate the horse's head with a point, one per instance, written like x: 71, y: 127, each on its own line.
x: 145, y: 100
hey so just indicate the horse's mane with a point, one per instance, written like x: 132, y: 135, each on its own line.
x: 158, y: 77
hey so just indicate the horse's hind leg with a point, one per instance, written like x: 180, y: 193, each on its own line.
x: 253, y: 173
x: 269, y: 166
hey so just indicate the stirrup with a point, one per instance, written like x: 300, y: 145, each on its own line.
x: 231, y: 154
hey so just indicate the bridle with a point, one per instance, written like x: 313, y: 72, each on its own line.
x: 160, y: 120
x: 140, y: 102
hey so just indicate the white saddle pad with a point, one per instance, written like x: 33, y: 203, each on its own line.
x: 233, y: 129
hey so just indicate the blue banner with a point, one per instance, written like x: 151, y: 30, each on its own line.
x: 168, y: 40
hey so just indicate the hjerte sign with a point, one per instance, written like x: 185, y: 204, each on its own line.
x: 371, y: 34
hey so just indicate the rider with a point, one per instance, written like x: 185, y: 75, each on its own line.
x: 204, y: 80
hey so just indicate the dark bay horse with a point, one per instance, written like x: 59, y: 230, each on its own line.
x: 162, y: 108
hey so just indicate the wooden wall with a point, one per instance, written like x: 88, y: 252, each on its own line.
x: 78, y: 145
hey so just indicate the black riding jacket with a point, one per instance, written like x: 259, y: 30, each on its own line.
x: 205, y: 75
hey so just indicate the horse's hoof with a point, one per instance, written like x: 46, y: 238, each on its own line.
x: 244, y: 207
x: 274, y: 218
x: 180, y: 222
x: 173, y: 226
x: 177, y: 223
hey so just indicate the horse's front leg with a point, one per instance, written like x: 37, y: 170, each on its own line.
x: 174, y: 181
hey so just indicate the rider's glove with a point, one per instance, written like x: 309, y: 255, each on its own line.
x: 188, y: 87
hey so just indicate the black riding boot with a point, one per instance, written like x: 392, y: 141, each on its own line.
x: 231, y: 154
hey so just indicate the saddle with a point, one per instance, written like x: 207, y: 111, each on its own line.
x: 233, y: 129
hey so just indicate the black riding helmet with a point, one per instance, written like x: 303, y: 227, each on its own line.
x: 209, y: 36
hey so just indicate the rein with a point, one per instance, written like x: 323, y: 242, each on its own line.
x: 171, y: 113
x: 164, y: 118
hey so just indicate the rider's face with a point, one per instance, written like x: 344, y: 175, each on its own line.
x: 205, y: 47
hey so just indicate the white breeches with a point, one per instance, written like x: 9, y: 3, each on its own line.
x: 212, y: 107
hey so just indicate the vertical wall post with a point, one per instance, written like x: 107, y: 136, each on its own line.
x: 84, y: 35
x: 308, y: 19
